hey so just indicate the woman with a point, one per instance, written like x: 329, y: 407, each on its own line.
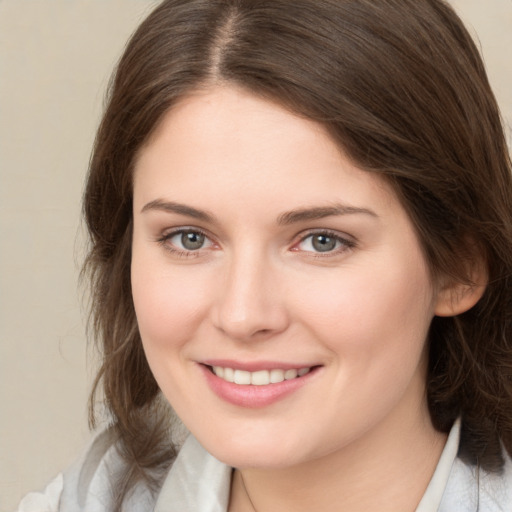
x: 301, y: 237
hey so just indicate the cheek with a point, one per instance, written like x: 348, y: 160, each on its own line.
x: 382, y: 308
x: 375, y: 326
x: 168, y: 304
x: 170, y: 307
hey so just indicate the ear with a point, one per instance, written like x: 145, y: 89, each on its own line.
x: 454, y: 297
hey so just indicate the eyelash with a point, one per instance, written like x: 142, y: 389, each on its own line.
x: 346, y: 243
x: 180, y: 253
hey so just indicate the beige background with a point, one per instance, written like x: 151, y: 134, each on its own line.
x: 55, y: 60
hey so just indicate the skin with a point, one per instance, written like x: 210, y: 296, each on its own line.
x: 258, y: 290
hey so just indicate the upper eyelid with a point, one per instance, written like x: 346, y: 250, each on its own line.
x: 330, y: 232
x: 170, y: 232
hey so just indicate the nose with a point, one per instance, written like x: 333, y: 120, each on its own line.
x: 250, y: 305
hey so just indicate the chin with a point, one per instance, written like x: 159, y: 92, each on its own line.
x: 255, y: 459
x: 250, y: 450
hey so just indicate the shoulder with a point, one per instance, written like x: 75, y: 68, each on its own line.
x: 86, y: 486
x: 45, y: 501
x: 495, y: 489
x: 477, y: 489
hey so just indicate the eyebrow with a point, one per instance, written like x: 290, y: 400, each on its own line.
x: 181, y: 209
x: 285, y: 219
x: 314, y: 213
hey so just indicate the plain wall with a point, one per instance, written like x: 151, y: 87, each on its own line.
x: 55, y: 60
x: 56, y: 57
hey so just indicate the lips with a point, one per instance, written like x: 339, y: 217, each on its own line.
x: 256, y: 385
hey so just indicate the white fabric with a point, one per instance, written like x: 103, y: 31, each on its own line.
x: 47, y: 501
x: 197, y: 482
x: 432, y: 498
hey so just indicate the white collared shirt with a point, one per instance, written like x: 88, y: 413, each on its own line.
x: 197, y: 482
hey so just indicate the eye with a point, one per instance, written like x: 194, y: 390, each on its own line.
x: 189, y: 240
x: 324, y: 242
x: 185, y: 241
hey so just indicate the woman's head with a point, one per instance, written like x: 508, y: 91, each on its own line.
x: 400, y: 87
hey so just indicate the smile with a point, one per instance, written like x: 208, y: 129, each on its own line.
x: 257, y: 384
x: 258, y: 378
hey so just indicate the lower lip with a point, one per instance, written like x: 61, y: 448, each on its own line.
x: 252, y: 396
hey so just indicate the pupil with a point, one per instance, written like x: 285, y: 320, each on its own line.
x: 192, y: 241
x: 323, y: 243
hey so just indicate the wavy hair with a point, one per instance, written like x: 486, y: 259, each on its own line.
x: 401, y: 86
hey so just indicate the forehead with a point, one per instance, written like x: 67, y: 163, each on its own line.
x: 226, y: 142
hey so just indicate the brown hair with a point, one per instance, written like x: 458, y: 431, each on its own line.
x: 401, y: 86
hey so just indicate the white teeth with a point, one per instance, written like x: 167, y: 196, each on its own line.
x: 242, y: 377
x: 219, y: 371
x: 229, y: 375
x: 290, y: 374
x: 259, y: 378
x: 276, y: 376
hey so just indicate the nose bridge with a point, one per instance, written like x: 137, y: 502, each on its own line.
x: 250, y: 302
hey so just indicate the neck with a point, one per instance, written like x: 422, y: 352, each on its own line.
x: 387, y: 469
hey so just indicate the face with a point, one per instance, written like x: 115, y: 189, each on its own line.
x: 281, y: 293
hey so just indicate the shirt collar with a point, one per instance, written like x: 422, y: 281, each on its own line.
x: 196, y: 481
x: 433, y: 495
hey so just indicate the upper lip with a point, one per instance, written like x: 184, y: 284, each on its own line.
x: 254, y: 366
